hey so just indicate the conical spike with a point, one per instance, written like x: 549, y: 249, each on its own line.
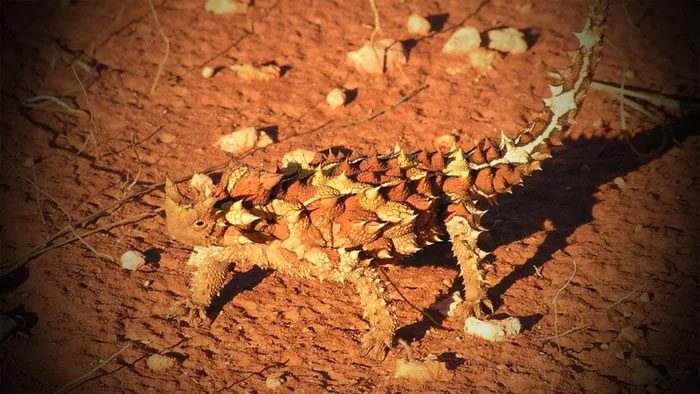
x: 171, y: 190
x: 384, y: 254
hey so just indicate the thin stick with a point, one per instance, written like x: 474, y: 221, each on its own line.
x: 567, y: 332
x: 70, y: 219
x: 81, y: 378
x: 105, y: 33
x: 128, y: 186
x: 42, y: 101
x: 93, y: 132
x: 7, y: 267
x: 167, y: 48
x: 658, y: 99
x: 626, y: 296
x: 38, y: 194
x: 384, y: 110
x: 623, y: 121
x: 377, y: 29
x: 556, y: 311
x: 251, y: 374
x: 427, y: 316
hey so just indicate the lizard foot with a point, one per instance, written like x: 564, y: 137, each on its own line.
x: 190, y: 313
x: 375, y: 346
x: 478, y: 308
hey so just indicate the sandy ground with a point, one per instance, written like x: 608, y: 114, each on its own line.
x: 627, y: 225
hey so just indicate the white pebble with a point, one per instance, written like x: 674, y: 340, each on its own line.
x: 495, y: 330
x: 336, y: 98
x: 273, y: 382
x: 159, y: 362
x: 644, y: 298
x: 416, y: 24
x: 132, y: 260
x: 463, y: 40
x: 207, y: 72
x: 508, y: 40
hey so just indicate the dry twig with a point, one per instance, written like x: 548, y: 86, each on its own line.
x: 167, y: 48
x: 93, y: 132
x: 42, y: 101
x: 556, y: 311
x: 70, y: 219
x: 105, y: 34
x: 567, y: 332
x: 83, y: 377
x: 37, y: 191
x: 626, y: 296
x: 422, y: 312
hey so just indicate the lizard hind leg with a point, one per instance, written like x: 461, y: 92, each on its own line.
x: 464, y: 235
x: 375, y: 302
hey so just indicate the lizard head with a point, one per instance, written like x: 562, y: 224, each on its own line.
x: 192, y: 221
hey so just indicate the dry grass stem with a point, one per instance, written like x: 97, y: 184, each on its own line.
x: 657, y: 99
x: 105, y: 34
x: 412, y: 305
x: 626, y: 296
x: 567, y: 332
x: 42, y: 101
x: 556, y: 310
x: 80, y: 379
x: 37, y: 192
x: 129, y: 185
x: 70, y: 219
x: 161, y: 66
x: 93, y: 132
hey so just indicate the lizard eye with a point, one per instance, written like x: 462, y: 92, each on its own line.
x: 199, y: 224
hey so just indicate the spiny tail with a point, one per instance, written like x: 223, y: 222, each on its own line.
x: 500, y: 168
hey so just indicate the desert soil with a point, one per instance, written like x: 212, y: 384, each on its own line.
x: 611, y: 233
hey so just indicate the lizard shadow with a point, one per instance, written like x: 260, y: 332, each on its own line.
x: 563, y: 193
x: 241, y: 282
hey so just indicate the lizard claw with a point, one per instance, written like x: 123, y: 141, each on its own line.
x: 478, y: 308
x: 188, y: 312
x: 374, y: 346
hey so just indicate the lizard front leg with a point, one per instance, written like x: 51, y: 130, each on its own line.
x: 211, y: 266
x: 464, y: 236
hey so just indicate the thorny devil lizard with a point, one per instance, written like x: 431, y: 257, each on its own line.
x: 329, y: 218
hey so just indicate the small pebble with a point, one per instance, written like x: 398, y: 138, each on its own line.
x: 620, y: 355
x: 158, y: 362
x: 628, y: 314
x: 631, y: 334
x: 644, y: 298
x: 207, y: 72
x: 28, y: 163
x: 638, y: 228
x: 464, y: 40
x: 620, y: 182
x: 166, y: 138
x: 146, y: 283
x: 132, y: 260
x: 508, y: 40
x: 336, y: 98
x: 273, y: 382
x: 416, y: 24
x: 604, y: 346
